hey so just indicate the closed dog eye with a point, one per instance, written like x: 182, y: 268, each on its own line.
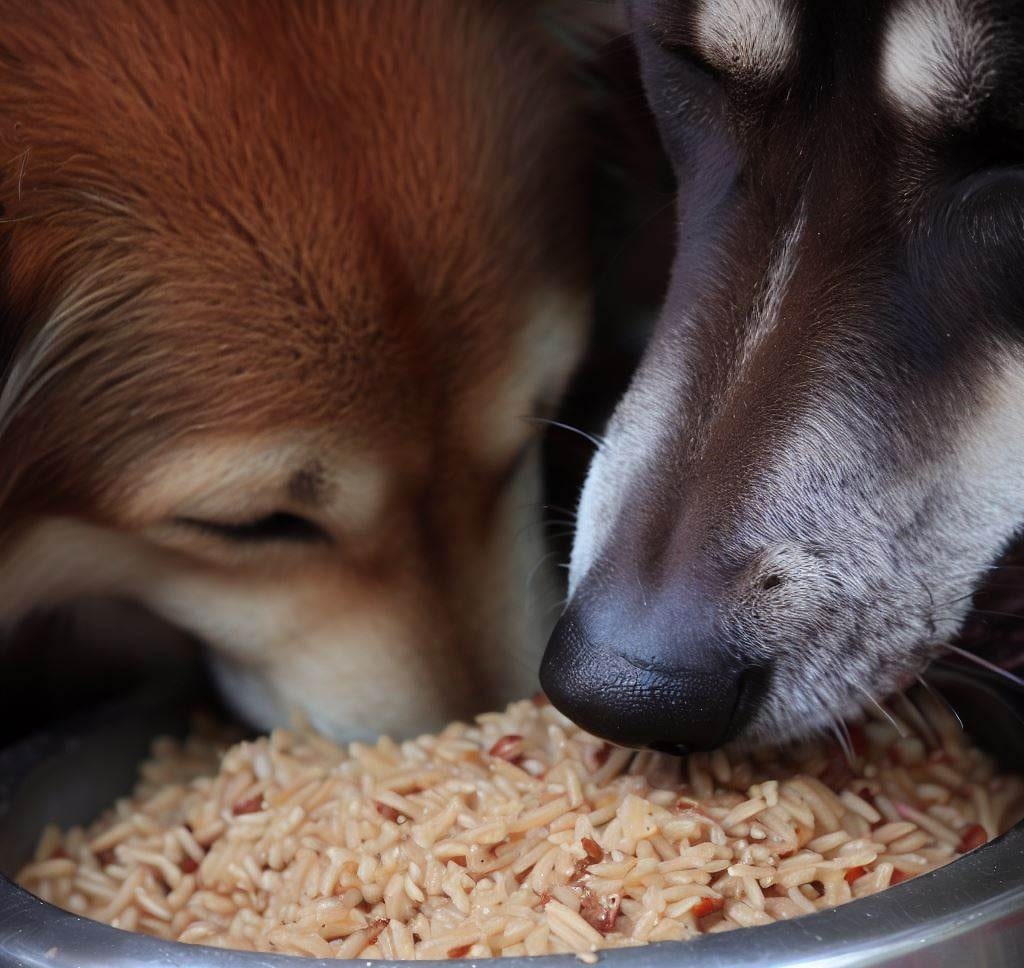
x: 277, y: 526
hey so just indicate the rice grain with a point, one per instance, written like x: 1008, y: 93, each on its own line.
x: 517, y: 834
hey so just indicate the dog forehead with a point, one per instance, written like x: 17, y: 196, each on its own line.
x: 745, y: 40
x: 942, y: 58
x: 932, y: 61
x: 753, y: 39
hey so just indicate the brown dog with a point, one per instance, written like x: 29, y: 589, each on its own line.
x: 279, y: 282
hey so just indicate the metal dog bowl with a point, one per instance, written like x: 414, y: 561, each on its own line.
x: 969, y: 912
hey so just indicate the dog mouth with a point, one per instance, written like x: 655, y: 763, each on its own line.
x: 755, y: 684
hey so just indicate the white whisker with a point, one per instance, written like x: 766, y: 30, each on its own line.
x: 893, y: 721
x: 596, y: 441
x: 842, y: 738
x: 938, y: 696
x: 985, y: 664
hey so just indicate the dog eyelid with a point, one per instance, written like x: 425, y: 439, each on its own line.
x: 694, y: 61
x: 281, y: 526
x: 685, y: 50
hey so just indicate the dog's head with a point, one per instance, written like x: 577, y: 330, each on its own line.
x: 822, y: 450
x: 279, y: 284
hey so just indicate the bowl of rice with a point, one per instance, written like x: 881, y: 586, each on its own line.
x: 126, y: 839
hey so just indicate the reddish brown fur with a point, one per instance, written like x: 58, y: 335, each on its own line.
x: 231, y: 221
x: 304, y: 213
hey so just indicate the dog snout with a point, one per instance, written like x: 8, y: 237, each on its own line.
x: 671, y: 685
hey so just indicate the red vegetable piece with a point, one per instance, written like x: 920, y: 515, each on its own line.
x: 600, y: 912
x: 376, y: 928
x: 508, y: 748
x: 252, y: 805
x: 387, y: 811
x: 707, y: 906
x: 974, y: 836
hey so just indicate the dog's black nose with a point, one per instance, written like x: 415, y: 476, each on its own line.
x: 675, y: 688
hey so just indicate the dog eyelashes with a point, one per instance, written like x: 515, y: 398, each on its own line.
x: 278, y: 526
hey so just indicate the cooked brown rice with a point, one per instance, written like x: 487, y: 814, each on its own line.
x: 517, y: 835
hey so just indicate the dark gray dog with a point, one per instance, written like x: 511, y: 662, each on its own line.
x: 822, y: 451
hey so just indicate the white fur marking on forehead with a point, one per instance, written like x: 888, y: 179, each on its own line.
x: 780, y: 273
x: 938, y: 58
x: 766, y: 312
x: 747, y: 37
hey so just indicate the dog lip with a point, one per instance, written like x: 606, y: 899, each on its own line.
x: 754, y: 682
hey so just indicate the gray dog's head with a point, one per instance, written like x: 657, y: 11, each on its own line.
x: 822, y: 449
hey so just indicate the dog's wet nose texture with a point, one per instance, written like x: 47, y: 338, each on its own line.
x: 616, y: 693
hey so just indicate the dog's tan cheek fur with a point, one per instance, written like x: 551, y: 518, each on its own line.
x: 326, y: 643
x: 324, y: 635
x: 313, y: 628
x: 316, y: 635
x: 530, y: 378
x: 54, y: 560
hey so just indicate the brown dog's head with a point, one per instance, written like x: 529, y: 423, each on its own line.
x: 821, y: 451
x: 279, y: 283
